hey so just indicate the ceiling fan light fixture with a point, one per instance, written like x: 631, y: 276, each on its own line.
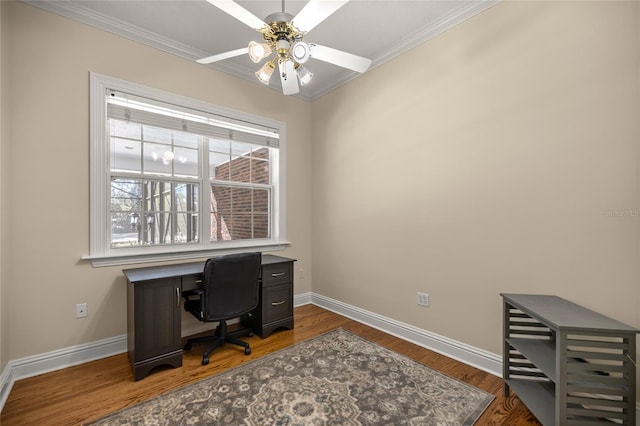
x: 300, y: 52
x: 282, y: 47
x: 258, y: 51
x: 264, y: 73
x: 304, y: 75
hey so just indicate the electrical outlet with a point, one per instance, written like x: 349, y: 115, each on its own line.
x: 81, y: 310
x: 423, y: 299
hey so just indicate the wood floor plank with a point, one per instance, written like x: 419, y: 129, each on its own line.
x: 86, y: 392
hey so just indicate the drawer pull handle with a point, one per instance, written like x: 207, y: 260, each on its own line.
x: 178, y: 297
x: 278, y: 274
x: 277, y: 303
x: 198, y: 281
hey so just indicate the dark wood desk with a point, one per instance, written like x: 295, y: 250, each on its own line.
x: 154, y: 318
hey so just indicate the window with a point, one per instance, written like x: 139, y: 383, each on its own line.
x: 173, y: 177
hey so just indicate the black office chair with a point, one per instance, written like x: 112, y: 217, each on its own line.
x: 229, y: 289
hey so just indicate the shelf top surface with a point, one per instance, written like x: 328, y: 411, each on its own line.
x: 563, y: 314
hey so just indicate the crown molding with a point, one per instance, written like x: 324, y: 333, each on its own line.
x: 427, y: 33
x: 80, y: 13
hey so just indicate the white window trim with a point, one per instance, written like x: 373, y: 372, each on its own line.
x: 100, y: 251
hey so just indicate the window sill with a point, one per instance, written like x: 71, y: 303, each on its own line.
x: 141, y: 257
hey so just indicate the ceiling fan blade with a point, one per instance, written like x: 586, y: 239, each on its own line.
x: 221, y: 56
x: 315, y: 12
x: 239, y: 12
x: 340, y: 58
x: 288, y: 77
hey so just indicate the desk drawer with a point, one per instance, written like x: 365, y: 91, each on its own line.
x: 191, y: 282
x: 277, y: 273
x: 277, y: 303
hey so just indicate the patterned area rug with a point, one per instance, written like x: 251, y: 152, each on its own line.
x: 337, y: 378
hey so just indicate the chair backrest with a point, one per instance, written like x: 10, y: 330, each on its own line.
x: 231, y: 285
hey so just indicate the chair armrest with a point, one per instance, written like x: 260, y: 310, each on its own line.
x: 193, y: 292
x: 190, y: 304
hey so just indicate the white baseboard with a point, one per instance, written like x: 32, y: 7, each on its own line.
x: 302, y: 299
x: 56, y: 360
x: 79, y: 354
x: 485, y: 361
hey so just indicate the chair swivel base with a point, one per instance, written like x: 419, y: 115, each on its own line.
x: 218, y: 339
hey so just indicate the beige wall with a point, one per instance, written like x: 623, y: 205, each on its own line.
x: 48, y: 63
x: 489, y: 159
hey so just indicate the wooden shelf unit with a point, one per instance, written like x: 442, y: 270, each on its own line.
x: 568, y: 364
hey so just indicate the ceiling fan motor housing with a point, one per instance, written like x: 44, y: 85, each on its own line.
x: 280, y: 33
x: 278, y: 17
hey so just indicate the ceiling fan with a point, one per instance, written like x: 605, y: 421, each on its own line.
x: 283, y: 34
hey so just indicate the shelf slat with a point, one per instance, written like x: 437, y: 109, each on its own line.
x: 540, y: 352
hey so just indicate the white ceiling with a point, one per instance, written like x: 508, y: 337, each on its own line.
x: 192, y: 29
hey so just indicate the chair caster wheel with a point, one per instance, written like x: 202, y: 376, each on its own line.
x: 205, y: 360
x: 187, y: 347
x: 247, y: 351
x: 250, y: 334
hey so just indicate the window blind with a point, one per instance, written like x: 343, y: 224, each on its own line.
x: 139, y: 110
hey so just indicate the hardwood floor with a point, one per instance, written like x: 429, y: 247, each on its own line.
x: 86, y: 392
